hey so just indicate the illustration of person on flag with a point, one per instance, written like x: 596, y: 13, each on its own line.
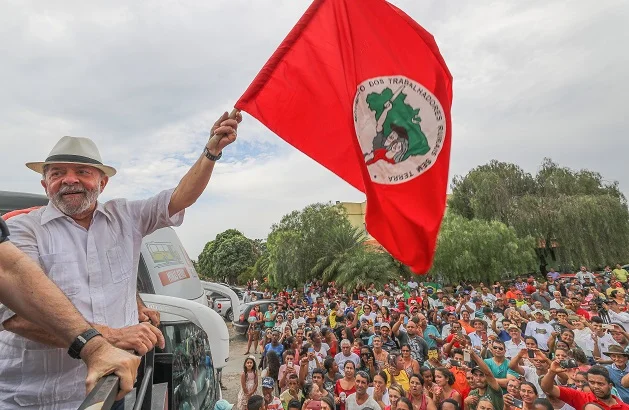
x: 394, y: 148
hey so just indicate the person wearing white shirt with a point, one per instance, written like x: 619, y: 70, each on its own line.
x: 556, y: 303
x: 583, y: 273
x: 91, y: 250
x: 602, y: 339
x: 539, y: 329
x: 445, y: 330
x: 617, y: 316
x: 516, y: 344
x: 412, y: 284
x: 346, y: 354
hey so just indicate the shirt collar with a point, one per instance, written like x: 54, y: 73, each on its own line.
x: 625, y: 370
x: 51, y: 212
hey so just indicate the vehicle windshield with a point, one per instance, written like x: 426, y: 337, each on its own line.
x: 194, y: 383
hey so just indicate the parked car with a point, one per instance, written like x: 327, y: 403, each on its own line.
x: 220, y: 304
x: 242, y: 324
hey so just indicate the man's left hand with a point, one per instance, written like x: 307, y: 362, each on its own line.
x: 148, y: 315
x: 224, y: 132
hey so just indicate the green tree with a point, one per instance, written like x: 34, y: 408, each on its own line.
x: 576, y: 217
x: 299, y: 241
x: 228, y: 256
x: 365, y: 266
x: 478, y: 250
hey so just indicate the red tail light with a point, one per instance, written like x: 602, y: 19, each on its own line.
x: 219, y: 306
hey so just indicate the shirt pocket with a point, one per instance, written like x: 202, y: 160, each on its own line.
x: 119, y: 264
x: 48, y: 376
x: 62, y: 269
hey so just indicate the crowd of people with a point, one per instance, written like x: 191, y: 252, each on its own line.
x: 556, y: 343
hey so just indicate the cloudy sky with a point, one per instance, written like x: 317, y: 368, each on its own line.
x: 146, y: 80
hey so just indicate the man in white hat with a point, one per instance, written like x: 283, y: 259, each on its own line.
x: 91, y: 251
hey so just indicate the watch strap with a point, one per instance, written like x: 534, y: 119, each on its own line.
x: 81, y: 340
x: 211, y: 157
x: 4, y: 231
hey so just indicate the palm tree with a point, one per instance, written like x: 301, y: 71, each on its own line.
x: 341, y: 243
x: 366, y: 266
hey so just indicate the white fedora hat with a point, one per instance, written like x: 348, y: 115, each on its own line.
x: 74, y: 150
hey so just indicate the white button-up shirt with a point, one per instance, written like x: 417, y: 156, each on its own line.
x: 97, y: 270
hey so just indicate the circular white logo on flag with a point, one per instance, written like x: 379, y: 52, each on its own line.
x: 400, y: 126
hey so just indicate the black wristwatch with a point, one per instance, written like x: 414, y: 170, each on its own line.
x: 81, y: 340
x: 211, y: 157
x: 4, y: 231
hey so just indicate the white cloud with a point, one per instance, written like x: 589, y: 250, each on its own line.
x: 146, y: 80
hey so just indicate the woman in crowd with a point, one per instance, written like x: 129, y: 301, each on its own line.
x: 485, y: 404
x: 410, y: 365
x: 395, y: 372
x: 465, y: 321
x: 529, y: 394
x: 449, y: 404
x: 386, y: 315
x: 396, y: 392
x: 428, y: 377
x: 445, y: 379
x: 418, y: 396
x: 379, y: 389
x: 345, y: 386
x: 330, y: 339
x: 272, y: 367
x: 367, y: 362
x: 346, y: 333
x: 253, y: 332
x: 406, y: 404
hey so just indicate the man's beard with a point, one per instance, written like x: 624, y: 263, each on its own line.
x: 73, y: 207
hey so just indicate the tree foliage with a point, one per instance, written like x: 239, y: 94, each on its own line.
x: 228, y: 256
x: 478, y: 250
x: 576, y: 217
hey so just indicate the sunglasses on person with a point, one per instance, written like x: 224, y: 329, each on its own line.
x: 498, y: 348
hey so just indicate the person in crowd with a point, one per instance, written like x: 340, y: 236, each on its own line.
x: 248, y: 382
x: 618, y: 369
x: 381, y: 356
x: 486, y: 385
x: 271, y: 401
x: 418, y: 345
x: 404, y: 404
x: 410, y: 365
x: 379, y: 391
x: 602, y: 340
x: 318, y: 378
x: 367, y: 361
x: 345, y: 386
x: 289, y: 367
x: 528, y: 394
x: 395, y: 372
x: 499, y: 364
x: 396, y: 392
x: 346, y: 354
x: 513, y: 392
x: 516, y: 344
x: 445, y: 381
x: 600, y: 386
x: 256, y: 402
x: 418, y: 395
x: 292, y: 392
x: 539, y: 329
x: 223, y: 404
x: 332, y: 374
x: 255, y: 326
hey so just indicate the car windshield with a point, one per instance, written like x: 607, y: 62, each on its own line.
x: 194, y: 384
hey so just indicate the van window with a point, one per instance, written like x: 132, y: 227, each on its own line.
x: 194, y: 383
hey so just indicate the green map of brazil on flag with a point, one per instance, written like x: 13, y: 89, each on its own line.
x: 362, y: 89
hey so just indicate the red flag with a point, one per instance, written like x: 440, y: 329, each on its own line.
x: 362, y: 89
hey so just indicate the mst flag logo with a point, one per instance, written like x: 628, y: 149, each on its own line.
x: 400, y: 127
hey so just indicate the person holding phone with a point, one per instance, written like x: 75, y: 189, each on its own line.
x: 486, y: 384
x: 531, y: 374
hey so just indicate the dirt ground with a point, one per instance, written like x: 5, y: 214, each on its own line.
x: 231, y: 372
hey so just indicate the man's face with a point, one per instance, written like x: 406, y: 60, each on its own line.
x: 583, y: 269
x: 513, y: 387
x: 478, y: 326
x: 480, y: 380
x: 275, y: 337
x: 598, y: 328
x: 562, y: 316
x: 293, y: 385
x: 452, y: 320
x: 498, y: 350
x: 539, y: 318
x: 377, y: 342
x: 361, y: 385
x: 267, y: 393
x: 422, y: 320
x: 456, y: 328
x: 599, y: 386
x: 619, y: 360
x: 73, y: 188
x: 300, y: 334
x: 470, y: 380
x: 458, y: 357
x: 386, y: 332
x: 567, y: 337
x: 317, y: 379
x: 411, y: 328
x: 346, y: 349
